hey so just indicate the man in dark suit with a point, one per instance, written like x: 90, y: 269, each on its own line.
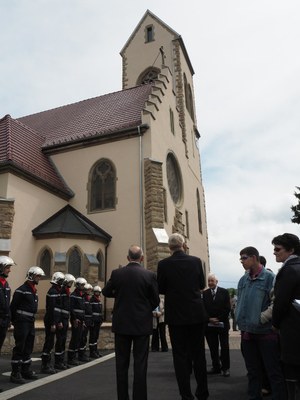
x: 217, y: 305
x: 181, y: 279
x: 136, y: 295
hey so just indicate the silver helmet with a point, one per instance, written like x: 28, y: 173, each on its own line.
x: 69, y: 280
x: 97, y: 289
x: 88, y: 286
x: 80, y: 282
x: 58, y: 278
x: 5, y: 262
x: 33, y: 272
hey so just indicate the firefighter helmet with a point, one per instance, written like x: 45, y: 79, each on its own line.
x: 33, y: 272
x: 5, y: 262
x: 58, y: 278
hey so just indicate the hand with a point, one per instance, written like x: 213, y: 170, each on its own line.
x: 53, y: 328
x: 76, y: 323
x: 60, y: 325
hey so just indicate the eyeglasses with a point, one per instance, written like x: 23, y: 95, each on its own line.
x: 244, y: 258
x: 277, y: 249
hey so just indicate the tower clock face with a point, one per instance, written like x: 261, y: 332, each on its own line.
x: 174, y: 179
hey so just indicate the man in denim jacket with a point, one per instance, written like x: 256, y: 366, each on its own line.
x: 260, y: 344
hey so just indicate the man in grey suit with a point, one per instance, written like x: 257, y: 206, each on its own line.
x: 181, y: 279
x: 136, y: 295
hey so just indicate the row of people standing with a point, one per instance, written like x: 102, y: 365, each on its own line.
x: 268, y: 315
x: 83, y: 311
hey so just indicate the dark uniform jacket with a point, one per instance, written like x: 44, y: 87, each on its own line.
x: 181, y: 279
x: 96, y: 309
x: 136, y: 295
x: 77, y: 308
x: 88, y: 310
x: 53, y: 314
x: 24, y: 304
x: 5, y: 294
x: 65, y: 302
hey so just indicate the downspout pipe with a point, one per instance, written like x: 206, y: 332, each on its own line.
x: 105, y: 279
x: 141, y: 166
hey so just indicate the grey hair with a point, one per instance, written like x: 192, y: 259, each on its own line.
x: 212, y: 276
x: 176, y: 241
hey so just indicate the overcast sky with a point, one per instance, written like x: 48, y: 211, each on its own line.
x: 247, y: 89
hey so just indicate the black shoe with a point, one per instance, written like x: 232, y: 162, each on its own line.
x: 60, y: 366
x: 83, y: 359
x: 226, y: 373
x: 164, y: 350
x: 16, y: 377
x: 29, y: 375
x: 48, y: 370
x: 213, y: 371
x: 94, y: 355
x: 73, y: 363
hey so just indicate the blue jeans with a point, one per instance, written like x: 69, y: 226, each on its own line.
x: 257, y: 349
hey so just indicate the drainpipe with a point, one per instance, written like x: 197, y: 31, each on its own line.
x: 105, y: 279
x: 141, y: 188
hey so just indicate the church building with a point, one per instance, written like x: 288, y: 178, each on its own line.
x: 82, y: 182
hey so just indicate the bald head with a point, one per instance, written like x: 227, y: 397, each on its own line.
x: 135, y: 253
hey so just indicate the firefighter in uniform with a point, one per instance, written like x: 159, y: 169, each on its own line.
x: 5, y: 264
x: 87, y: 322
x: 97, y: 319
x: 23, y: 307
x: 77, y: 319
x: 65, y: 314
x: 53, y: 322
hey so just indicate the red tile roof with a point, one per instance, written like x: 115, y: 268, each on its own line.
x: 21, y: 151
x: 23, y: 140
x: 90, y: 118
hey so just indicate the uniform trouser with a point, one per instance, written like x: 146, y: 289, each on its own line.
x: 59, y: 337
x: 188, y: 347
x: 159, y: 333
x: 84, y: 338
x: 140, y: 363
x: 3, y: 331
x: 259, y: 349
x: 76, y: 333
x: 94, y: 335
x: 24, y: 334
x: 216, y: 337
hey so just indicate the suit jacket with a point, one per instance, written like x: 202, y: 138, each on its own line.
x: 220, y: 307
x: 136, y: 295
x: 181, y: 279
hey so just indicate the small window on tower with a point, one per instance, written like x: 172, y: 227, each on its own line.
x: 149, y: 33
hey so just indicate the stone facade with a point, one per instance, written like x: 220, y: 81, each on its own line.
x: 7, y: 212
x: 154, y: 212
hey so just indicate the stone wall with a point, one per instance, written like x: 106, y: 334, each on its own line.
x: 154, y: 212
x: 7, y: 212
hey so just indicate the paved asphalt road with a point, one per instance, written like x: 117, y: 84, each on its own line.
x: 96, y: 380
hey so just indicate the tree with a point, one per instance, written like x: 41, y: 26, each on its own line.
x: 296, y: 208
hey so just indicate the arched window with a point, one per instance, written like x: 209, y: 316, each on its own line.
x: 102, y: 186
x: 101, y: 271
x: 45, y: 262
x: 174, y: 178
x: 148, y: 76
x: 188, y: 94
x: 74, y: 262
x: 199, y: 211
